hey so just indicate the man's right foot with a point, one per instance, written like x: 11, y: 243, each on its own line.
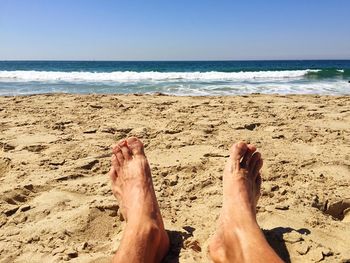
x: 238, y: 237
x: 241, y: 183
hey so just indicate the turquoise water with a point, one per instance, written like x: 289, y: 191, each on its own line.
x: 176, y: 77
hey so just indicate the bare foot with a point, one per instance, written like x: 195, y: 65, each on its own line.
x: 242, y: 181
x: 144, y: 238
x: 238, y: 237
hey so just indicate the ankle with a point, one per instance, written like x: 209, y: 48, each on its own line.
x: 219, y: 248
x: 144, y: 229
x: 156, y: 239
x: 232, y: 240
x: 217, y: 252
x: 240, y: 222
x: 148, y: 241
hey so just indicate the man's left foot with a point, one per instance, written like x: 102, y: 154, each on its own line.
x: 133, y: 187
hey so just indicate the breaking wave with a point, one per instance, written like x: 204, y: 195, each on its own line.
x: 127, y: 76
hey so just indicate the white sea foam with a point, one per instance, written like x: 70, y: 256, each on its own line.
x: 331, y: 87
x: 127, y: 76
x: 175, y: 83
x: 327, y: 87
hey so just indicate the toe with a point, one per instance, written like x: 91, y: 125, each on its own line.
x: 257, y: 167
x: 125, y: 151
x: 248, y: 155
x: 135, y: 146
x: 238, y: 151
x: 255, y: 164
x: 115, y: 162
x: 112, y: 174
x: 258, y: 182
x: 121, y: 142
x: 118, y: 154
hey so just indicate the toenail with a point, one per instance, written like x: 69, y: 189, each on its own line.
x: 122, y: 142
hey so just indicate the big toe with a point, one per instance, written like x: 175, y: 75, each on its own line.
x: 135, y: 146
x: 238, y: 151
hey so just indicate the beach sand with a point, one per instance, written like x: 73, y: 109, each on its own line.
x: 55, y: 197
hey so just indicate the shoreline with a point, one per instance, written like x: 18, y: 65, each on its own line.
x: 56, y: 198
x: 156, y: 94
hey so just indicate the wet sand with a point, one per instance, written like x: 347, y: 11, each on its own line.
x: 55, y: 198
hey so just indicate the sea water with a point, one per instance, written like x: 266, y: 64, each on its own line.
x: 194, y: 78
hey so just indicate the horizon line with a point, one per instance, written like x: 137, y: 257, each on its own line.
x: 172, y: 60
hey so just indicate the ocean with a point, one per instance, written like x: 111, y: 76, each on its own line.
x: 194, y: 78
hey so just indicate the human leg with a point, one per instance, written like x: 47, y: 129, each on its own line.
x: 144, y: 238
x: 238, y: 237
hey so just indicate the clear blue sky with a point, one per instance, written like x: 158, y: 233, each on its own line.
x: 174, y: 29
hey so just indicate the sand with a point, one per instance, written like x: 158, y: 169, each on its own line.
x: 55, y: 198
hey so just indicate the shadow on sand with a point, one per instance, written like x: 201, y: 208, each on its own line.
x: 176, y: 244
x: 275, y: 238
